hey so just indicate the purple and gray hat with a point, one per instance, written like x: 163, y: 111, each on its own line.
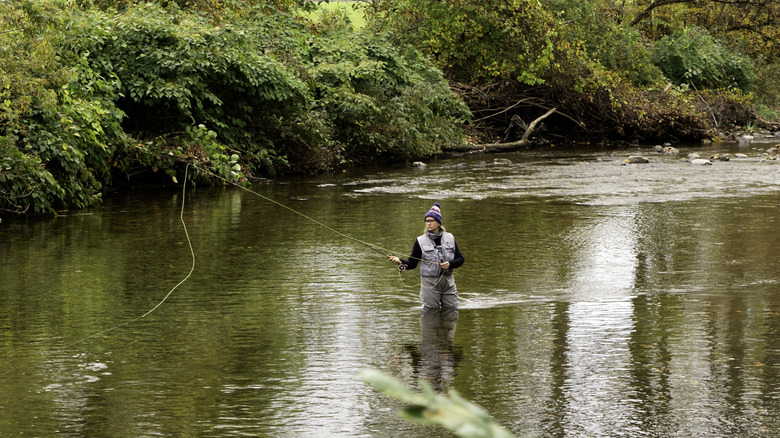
x: 434, y: 212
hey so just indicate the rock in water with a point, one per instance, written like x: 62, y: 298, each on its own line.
x: 721, y: 157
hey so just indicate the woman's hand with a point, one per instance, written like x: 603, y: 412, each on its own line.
x: 445, y: 265
x: 394, y: 259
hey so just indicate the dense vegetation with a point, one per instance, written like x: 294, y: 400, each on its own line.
x: 639, y: 70
x: 108, y: 92
x: 94, y: 97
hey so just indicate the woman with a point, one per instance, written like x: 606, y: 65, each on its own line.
x: 439, y: 254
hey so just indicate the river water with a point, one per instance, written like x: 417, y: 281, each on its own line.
x: 597, y: 299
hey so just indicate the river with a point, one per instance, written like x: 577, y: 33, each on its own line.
x: 597, y: 299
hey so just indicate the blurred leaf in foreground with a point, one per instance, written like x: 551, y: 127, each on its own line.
x: 451, y: 411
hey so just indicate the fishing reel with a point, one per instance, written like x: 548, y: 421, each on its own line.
x: 402, y: 267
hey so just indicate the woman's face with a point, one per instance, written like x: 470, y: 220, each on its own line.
x: 431, y: 225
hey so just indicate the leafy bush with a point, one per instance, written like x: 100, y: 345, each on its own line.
x: 768, y: 90
x: 614, y: 45
x: 87, y: 96
x: 177, y: 72
x: 24, y: 182
x: 621, y: 49
x: 382, y: 100
x: 692, y: 57
x: 476, y: 41
x: 58, y: 126
x: 273, y: 90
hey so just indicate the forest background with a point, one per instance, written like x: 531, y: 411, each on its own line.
x: 98, y: 94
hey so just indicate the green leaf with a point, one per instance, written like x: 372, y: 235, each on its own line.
x: 452, y: 411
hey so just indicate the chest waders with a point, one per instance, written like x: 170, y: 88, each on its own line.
x: 437, y: 285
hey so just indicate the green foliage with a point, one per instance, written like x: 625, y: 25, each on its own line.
x: 767, y: 113
x: 57, y: 122
x: 691, y: 56
x: 616, y: 47
x: 186, y: 73
x: 382, y: 101
x: 747, y: 33
x: 620, y: 49
x: 564, y: 54
x: 352, y: 10
x: 178, y: 73
x: 24, y: 182
x: 477, y: 41
x: 214, y: 8
x: 95, y: 92
x: 215, y: 154
x: 768, y: 89
x: 453, y: 412
x: 601, y: 48
x: 87, y: 96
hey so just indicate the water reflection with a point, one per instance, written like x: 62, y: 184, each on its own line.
x: 590, y: 308
x: 605, y: 259
x: 594, y: 363
x: 436, y: 358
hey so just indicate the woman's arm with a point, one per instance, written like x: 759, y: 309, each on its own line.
x: 413, y: 259
x: 457, y: 262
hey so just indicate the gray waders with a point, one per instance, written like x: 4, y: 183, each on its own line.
x: 437, y: 287
x: 436, y: 292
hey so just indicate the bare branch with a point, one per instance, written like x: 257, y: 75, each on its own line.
x: 491, y: 147
x: 533, y: 124
x: 502, y: 111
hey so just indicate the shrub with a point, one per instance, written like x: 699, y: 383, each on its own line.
x: 89, y: 95
x: 692, y: 57
x: 384, y: 101
x: 24, y: 182
x: 616, y: 46
x: 474, y: 42
x: 178, y: 72
x: 272, y: 89
x: 768, y: 90
x: 58, y: 125
x: 621, y: 50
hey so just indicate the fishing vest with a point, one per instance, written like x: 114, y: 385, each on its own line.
x: 431, y: 254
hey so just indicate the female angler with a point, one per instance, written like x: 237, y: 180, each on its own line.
x: 439, y: 254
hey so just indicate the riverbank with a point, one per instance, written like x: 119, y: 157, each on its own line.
x: 99, y: 98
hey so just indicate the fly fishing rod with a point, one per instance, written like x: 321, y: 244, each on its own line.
x: 378, y: 249
x: 383, y: 251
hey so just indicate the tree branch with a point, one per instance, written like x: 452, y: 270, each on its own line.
x: 502, y: 111
x: 490, y: 147
x: 656, y: 4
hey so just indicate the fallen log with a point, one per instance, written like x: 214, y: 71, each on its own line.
x: 508, y: 146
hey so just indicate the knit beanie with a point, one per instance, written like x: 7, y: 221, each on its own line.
x: 434, y: 212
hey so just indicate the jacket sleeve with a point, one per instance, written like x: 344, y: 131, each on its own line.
x: 415, y: 257
x: 458, y: 261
